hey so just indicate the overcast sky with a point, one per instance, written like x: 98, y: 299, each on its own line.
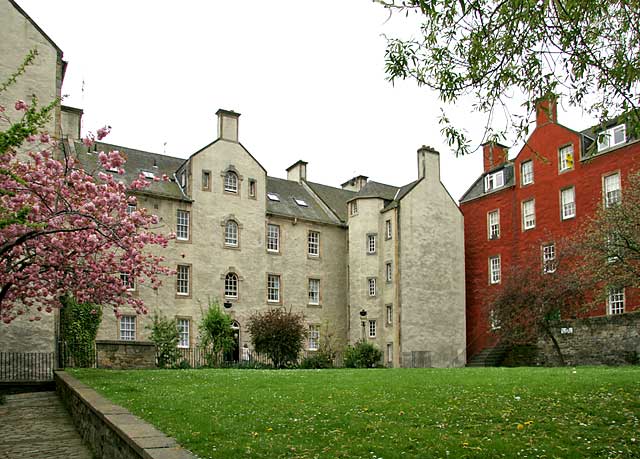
x: 307, y: 77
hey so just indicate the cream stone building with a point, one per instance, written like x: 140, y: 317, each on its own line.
x: 366, y: 261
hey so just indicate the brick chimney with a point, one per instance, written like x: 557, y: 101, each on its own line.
x: 228, y: 125
x: 494, y: 154
x: 546, y: 110
x: 297, y: 172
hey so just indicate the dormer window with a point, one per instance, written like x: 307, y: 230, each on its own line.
x: 611, y: 137
x: 231, y: 182
x: 301, y: 202
x: 273, y: 197
x: 493, y: 181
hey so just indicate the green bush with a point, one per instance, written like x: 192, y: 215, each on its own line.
x: 316, y: 360
x: 362, y: 355
x: 216, y: 334
x: 164, y: 334
x: 278, y: 334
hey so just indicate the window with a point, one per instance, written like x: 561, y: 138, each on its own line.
x: 231, y: 182
x: 183, y: 179
x: 131, y: 208
x: 566, y: 158
x: 372, y: 286
x: 389, y: 353
x: 549, y: 258
x: 568, y: 201
x: 273, y: 197
x: 231, y: 234
x: 273, y: 288
x: 493, y: 224
x: 615, y: 301
x: 314, y: 337
x: 494, y: 322
x: 252, y: 188
x: 273, y: 238
x: 612, y: 193
x: 148, y: 175
x: 128, y: 281
x: 182, y: 284
x: 372, y: 328
x: 314, y: 291
x: 388, y: 229
x: 494, y: 270
x: 389, y: 314
x: 231, y: 285
x: 612, y: 137
x: 182, y: 225
x: 301, y: 202
x: 526, y: 173
x: 128, y: 328
x: 206, y: 180
x: 313, y: 241
x: 528, y: 214
x: 183, y: 333
x: 388, y: 272
x: 353, y: 206
x: 371, y: 243
x: 493, y: 181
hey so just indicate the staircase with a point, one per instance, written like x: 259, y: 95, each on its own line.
x: 489, y: 357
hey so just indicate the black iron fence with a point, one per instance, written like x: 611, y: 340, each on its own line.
x: 27, y: 366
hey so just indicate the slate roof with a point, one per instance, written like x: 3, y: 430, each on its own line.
x: 137, y: 162
x: 288, y: 191
x: 334, y: 198
x: 377, y: 190
x: 477, y: 189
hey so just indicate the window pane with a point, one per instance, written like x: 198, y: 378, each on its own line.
x: 314, y: 243
x: 231, y: 182
x: 314, y: 337
x: 182, y: 285
x: 494, y: 270
x: 231, y: 285
x: 616, y: 301
x: 314, y: 291
x: 231, y: 234
x: 273, y: 288
x: 273, y: 238
x: 128, y: 328
x: 568, y: 203
x: 182, y: 226
x: 183, y: 333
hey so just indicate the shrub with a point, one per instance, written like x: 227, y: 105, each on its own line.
x: 216, y: 334
x: 164, y: 334
x: 317, y: 360
x: 279, y: 334
x: 79, y: 324
x: 362, y: 355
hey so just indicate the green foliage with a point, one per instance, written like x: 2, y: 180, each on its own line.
x: 278, y: 334
x: 501, y: 53
x: 216, y: 334
x: 79, y: 324
x: 362, y: 355
x: 164, y: 334
x: 316, y: 360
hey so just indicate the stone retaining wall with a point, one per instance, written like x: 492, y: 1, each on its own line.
x: 111, y: 431
x: 125, y: 355
x: 605, y: 340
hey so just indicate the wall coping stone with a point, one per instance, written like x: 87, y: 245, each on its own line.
x: 147, y: 441
x: 124, y: 343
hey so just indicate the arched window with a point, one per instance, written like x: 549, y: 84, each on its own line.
x: 231, y: 234
x: 231, y: 285
x: 231, y: 182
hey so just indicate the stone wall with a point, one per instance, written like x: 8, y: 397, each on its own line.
x: 125, y: 355
x: 605, y: 340
x: 111, y: 431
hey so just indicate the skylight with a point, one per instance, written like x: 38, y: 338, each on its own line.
x: 148, y: 175
x: 273, y: 197
x: 301, y: 202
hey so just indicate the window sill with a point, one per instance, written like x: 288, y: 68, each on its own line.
x: 314, y: 305
x: 231, y: 247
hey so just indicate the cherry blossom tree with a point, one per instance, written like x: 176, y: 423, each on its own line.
x: 67, y: 231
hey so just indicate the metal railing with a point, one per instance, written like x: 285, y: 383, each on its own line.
x: 26, y: 366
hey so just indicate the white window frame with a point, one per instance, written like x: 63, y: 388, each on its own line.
x: 494, y: 181
x: 493, y: 224
x: 495, y: 269
x: 273, y: 238
x: 231, y: 233
x: 183, y: 218
x: 528, y: 214
x: 373, y: 328
x: 615, y: 301
x: 273, y: 288
x: 314, y: 337
x: 566, y: 155
x: 389, y: 353
x: 184, y: 328
x: 353, y: 208
x: 612, y: 190
x: 314, y: 291
x: 388, y: 271
x: 231, y: 182
x: 127, y: 327
x: 526, y: 173
x: 183, y: 280
x: 128, y: 281
x: 568, y: 203
x: 388, y: 229
x: 131, y: 208
x: 389, y: 310
x: 607, y: 139
x: 549, y: 258
x: 371, y: 243
x: 313, y: 243
x: 231, y: 285
x: 371, y: 286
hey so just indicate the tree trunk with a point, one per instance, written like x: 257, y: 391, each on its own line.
x: 556, y: 346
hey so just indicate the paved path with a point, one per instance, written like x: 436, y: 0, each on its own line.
x: 37, y: 426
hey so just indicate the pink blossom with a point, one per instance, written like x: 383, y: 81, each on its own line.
x: 44, y: 138
x: 21, y: 105
x: 103, y: 132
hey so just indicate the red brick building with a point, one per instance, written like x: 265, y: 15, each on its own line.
x: 556, y: 181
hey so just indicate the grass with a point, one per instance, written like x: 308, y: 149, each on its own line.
x: 384, y: 414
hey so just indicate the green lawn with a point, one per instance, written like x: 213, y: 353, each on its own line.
x: 375, y: 414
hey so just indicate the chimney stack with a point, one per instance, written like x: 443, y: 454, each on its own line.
x: 356, y: 183
x: 546, y: 110
x: 297, y: 172
x: 428, y: 163
x: 494, y: 155
x: 228, y: 125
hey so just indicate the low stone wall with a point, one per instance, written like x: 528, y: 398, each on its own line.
x: 606, y: 340
x: 111, y: 431
x: 125, y: 355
